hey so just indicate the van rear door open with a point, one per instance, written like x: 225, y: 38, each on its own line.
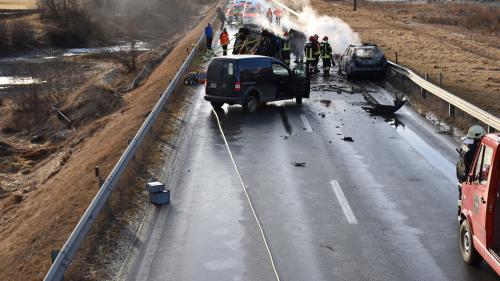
x: 301, y: 85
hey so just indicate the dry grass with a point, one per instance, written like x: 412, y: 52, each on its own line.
x: 17, y: 4
x: 29, y: 230
x: 469, y: 60
x: 468, y: 15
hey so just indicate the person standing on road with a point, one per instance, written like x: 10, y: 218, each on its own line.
x: 269, y: 16
x: 277, y: 15
x: 316, y: 53
x: 209, y: 34
x: 309, y: 53
x: 326, y: 56
x: 285, y: 51
x: 468, y: 150
x: 222, y: 17
x: 224, y: 41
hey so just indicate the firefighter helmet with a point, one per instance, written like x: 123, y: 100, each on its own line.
x: 325, y: 38
x: 475, y: 132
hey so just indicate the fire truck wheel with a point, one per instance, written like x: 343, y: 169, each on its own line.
x: 469, y: 253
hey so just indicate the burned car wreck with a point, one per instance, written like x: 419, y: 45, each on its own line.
x: 365, y: 60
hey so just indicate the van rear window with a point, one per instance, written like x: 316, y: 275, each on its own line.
x: 220, y: 70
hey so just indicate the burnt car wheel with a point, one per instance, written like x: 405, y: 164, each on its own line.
x: 251, y: 104
x: 298, y: 100
x: 469, y: 253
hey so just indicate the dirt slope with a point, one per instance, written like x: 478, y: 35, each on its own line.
x: 468, y: 60
x: 29, y: 230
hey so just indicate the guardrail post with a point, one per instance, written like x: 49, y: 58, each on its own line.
x: 440, y: 79
x: 451, y: 110
x: 53, y: 255
x: 422, y: 91
x: 396, y: 57
x: 98, y: 176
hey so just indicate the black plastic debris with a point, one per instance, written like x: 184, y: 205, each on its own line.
x: 299, y: 164
x: 375, y: 108
x: 349, y: 139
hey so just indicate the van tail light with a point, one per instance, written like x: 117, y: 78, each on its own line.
x: 237, y: 86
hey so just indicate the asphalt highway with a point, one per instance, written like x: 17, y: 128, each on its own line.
x: 382, y: 207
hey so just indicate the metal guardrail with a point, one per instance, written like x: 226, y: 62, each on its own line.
x: 68, y: 251
x: 453, y: 101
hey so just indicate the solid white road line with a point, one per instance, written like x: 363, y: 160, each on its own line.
x: 351, y: 218
x: 306, y: 123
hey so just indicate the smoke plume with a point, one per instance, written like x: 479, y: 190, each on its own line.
x: 305, y: 19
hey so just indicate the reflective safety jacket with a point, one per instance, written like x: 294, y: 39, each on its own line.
x: 309, y: 51
x: 286, y: 45
x: 326, y: 50
x: 224, y: 39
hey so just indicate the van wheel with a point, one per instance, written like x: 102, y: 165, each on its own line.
x: 251, y: 104
x: 216, y: 104
x: 298, y: 100
x: 469, y: 253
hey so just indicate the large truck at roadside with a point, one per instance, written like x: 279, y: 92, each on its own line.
x: 479, y: 206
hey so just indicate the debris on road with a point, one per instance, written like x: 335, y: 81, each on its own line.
x: 339, y: 89
x: 297, y: 164
x: 348, y: 139
x: 327, y: 103
x: 376, y: 108
x: 195, y: 78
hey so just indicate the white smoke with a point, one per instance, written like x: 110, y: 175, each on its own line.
x: 310, y: 23
x: 339, y: 32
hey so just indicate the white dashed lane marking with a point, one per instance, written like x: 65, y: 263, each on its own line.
x: 351, y: 218
x: 306, y: 123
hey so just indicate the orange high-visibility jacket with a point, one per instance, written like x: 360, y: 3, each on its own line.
x: 224, y: 38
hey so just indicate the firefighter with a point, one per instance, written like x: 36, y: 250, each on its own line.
x: 326, y: 56
x: 224, y: 41
x: 316, y: 53
x: 467, y: 151
x: 285, y: 51
x: 269, y: 16
x: 309, y: 53
x: 277, y: 15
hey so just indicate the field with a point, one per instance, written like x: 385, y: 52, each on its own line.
x: 17, y: 4
x: 434, y: 39
x: 40, y: 215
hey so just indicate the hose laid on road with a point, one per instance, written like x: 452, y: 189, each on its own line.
x: 248, y: 197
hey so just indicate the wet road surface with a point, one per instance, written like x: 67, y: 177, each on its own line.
x: 380, y: 208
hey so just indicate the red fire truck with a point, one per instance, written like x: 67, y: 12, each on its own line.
x: 479, y: 213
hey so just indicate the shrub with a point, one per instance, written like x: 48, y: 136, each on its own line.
x: 21, y: 34
x: 68, y: 23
